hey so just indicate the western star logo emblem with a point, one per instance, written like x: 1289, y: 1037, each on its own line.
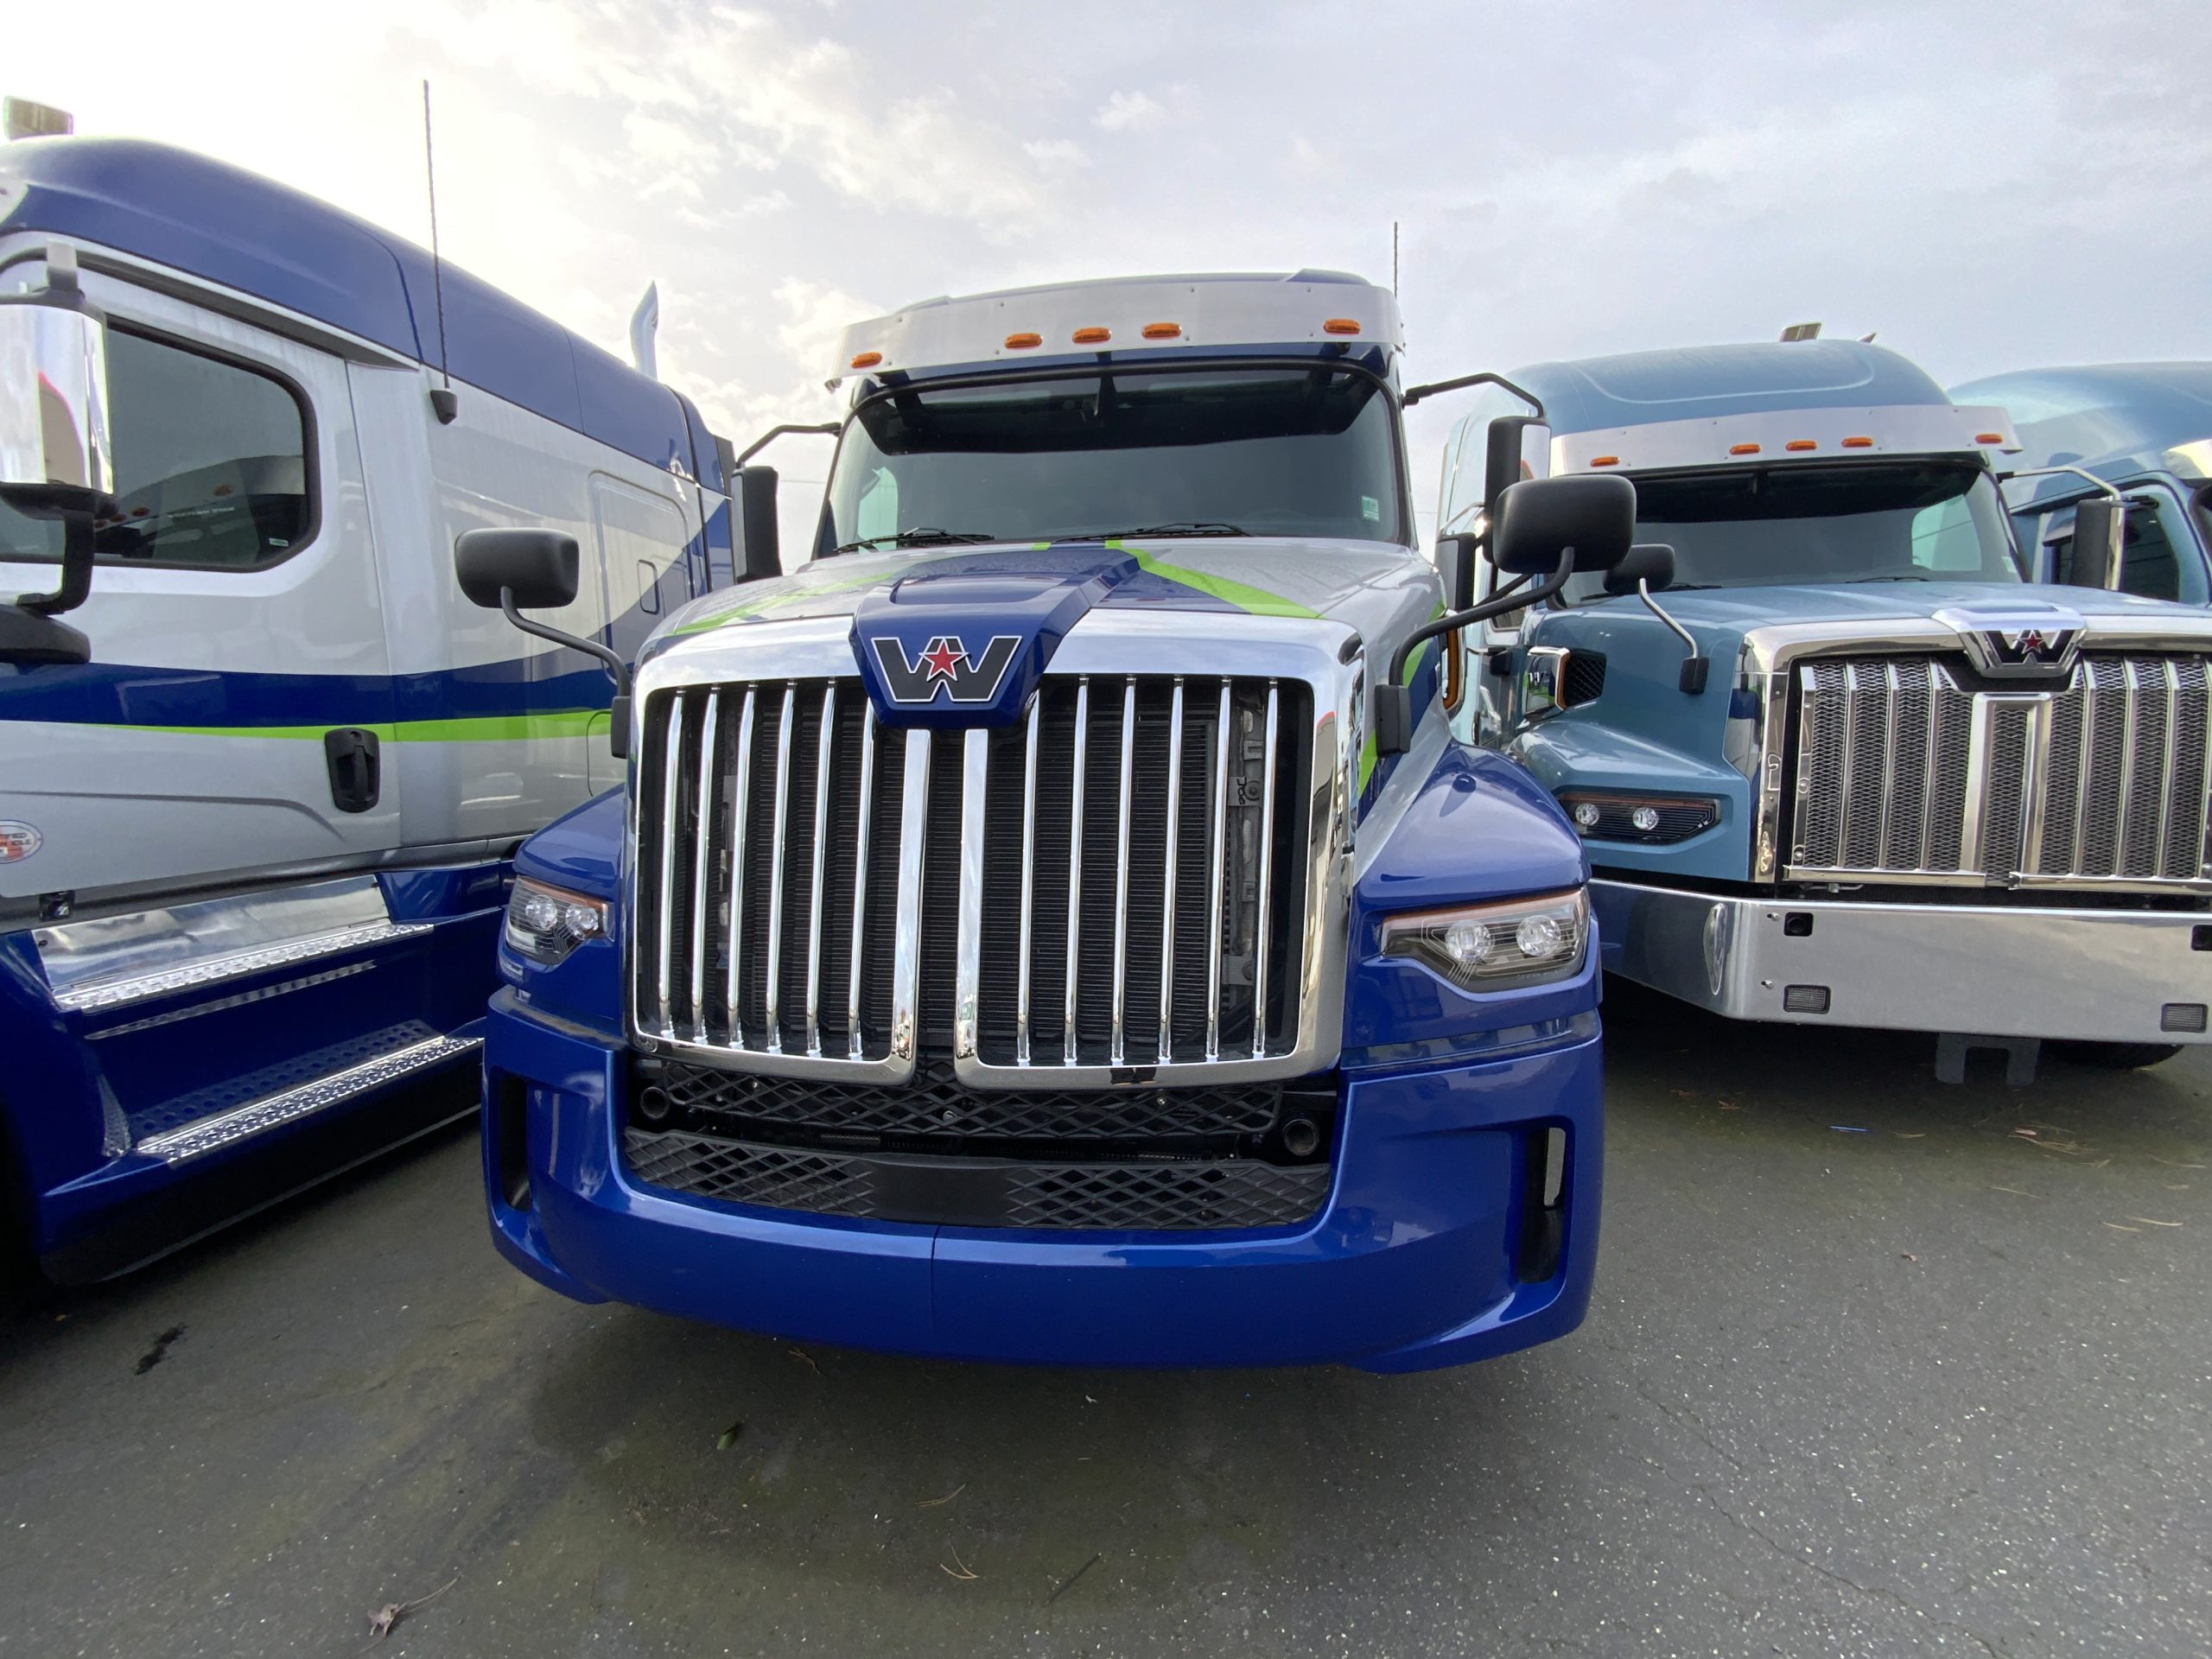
x: 2030, y: 644
x: 2025, y: 651
x: 945, y: 670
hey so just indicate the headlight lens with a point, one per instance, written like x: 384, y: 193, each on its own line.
x: 545, y: 923
x: 1498, y: 947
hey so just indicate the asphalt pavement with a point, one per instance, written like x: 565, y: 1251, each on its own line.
x: 1874, y: 1366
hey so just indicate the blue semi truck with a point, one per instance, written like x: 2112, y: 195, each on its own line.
x: 1058, y: 924
x: 1834, y: 758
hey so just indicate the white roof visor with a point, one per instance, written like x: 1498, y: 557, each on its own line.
x: 1138, y: 314
x: 1786, y: 435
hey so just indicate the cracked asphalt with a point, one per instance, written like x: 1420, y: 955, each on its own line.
x: 1874, y: 1367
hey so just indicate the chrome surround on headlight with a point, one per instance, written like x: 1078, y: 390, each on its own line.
x: 1502, y: 946
x: 545, y: 923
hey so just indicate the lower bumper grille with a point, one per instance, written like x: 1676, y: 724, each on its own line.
x: 1173, y: 1195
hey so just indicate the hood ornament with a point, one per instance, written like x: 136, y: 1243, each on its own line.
x: 2042, y: 644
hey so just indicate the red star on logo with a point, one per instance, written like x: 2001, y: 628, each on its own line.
x: 2031, y: 644
x: 943, y: 657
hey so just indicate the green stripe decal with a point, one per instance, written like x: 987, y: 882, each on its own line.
x: 480, y: 728
x: 1257, y: 602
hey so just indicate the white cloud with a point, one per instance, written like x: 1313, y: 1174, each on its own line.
x: 1130, y: 112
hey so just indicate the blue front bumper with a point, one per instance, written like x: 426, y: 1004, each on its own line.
x: 1409, y: 1264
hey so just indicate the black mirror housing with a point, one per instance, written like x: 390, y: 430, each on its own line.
x: 1508, y: 460
x: 540, y: 567
x: 1534, y: 523
x: 1455, y: 563
x: 760, y: 549
x: 2099, y: 533
x: 1647, y: 562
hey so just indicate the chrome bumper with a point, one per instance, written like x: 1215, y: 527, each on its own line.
x: 2105, y: 975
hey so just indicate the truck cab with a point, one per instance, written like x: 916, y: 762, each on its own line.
x: 1834, y: 758
x: 261, y: 766
x: 1013, y: 942
x: 2143, y: 429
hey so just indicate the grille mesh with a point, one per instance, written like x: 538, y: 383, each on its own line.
x: 1908, y: 765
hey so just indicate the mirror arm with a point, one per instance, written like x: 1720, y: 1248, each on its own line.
x: 1414, y: 394
x: 76, y: 570
x: 618, y: 729
x: 1695, y: 669
x: 829, y: 428
x: 1393, y: 702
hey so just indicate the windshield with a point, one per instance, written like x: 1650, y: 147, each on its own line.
x: 1257, y: 451
x: 1920, y: 521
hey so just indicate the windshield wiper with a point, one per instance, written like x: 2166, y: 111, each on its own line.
x: 920, y: 535
x: 1178, y: 527
x: 1854, y: 580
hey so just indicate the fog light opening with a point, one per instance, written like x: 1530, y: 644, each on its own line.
x: 653, y: 1105
x: 1301, y: 1137
x: 1804, y: 999
x: 1543, y: 1204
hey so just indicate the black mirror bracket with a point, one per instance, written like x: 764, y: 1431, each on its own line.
x: 1392, y: 702
x: 1697, y: 667
x: 617, y: 730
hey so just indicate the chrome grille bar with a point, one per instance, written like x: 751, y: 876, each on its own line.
x: 860, y: 877
x: 1075, y: 858
x: 1266, y: 864
x: 1028, y: 881
x: 776, y: 866
x: 975, y: 787
x: 1220, y: 864
x: 1167, y: 889
x: 671, y: 803
x: 741, y: 810
x: 703, y: 868
x: 824, y: 748
x: 1122, y: 872
x: 906, y: 949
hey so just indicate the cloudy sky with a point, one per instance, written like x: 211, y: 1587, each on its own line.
x: 1987, y: 188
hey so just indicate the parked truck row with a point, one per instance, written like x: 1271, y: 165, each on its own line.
x: 1122, y: 900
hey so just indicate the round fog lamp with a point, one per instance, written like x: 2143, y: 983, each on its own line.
x: 1587, y: 814
x: 1645, y: 818
x: 540, y: 914
x: 1539, y: 936
x: 581, y: 920
x: 1468, y: 944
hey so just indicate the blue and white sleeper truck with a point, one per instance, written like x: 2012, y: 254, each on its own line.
x: 1011, y: 942
x: 261, y: 767
x: 1835, y: 760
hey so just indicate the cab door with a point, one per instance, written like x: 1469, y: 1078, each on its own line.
x: 2161, y: 557
x: 238, y: 710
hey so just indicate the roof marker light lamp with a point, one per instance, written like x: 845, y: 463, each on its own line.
x: 866, y: 359
x: 1023, y: 342
x: 1091, y: 336
x: 1163, y: 331
x: 1340, y: 325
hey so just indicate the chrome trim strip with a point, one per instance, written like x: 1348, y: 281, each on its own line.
x: 853, y: 1046
x: 208, y: 1134
x: 1892, y: 688
x: 907, y: 947
x: 1116, y: 1051
x: 769, y: 988
x: 740, y: 794
x: 1029, y: 881
x: 143, y: 988
x: 1849, y: 755
x: 825, y: 749
x: 1167, y: 888
x: 701, y: 866
x: 2035, y: 809
x: 671, y: 756
x: 1220, y: 829
x: 967, y: 956
x: 2127, y: 730
x: 1266, y: 855
x: 1075, y: 861
x: 2173, y: 761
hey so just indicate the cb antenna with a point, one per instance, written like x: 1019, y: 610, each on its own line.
x: 1394, y: 258
x: 444, y: 402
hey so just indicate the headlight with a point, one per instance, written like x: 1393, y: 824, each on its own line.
x: 545, y: 923
x: 1655, y: 820
x: 1496, y: 947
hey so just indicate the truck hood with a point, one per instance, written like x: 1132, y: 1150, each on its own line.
x: 1735, y: 611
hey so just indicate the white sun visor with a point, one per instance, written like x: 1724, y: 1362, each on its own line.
x: 1786, y: 434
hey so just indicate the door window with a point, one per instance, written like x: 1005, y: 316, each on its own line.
x: 2159, y: 560
x: 210, y: 466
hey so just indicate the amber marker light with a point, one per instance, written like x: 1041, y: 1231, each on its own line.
x: 1340, y: 325
x: 1023, y: 342
x: 1859, y: 443
x: 1798, y: 445
x: 867, y: 359
x: 1989, y: 437
x: 1604, y: 461
x: 1091, y: 336
x: 1743, y: 448
x: 1163, y: 330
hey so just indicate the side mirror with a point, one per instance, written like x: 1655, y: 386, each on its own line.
x: 504, y: 570
x: 2099, y: 533
x: 1455, y: 563
x: 759, y: 548
x: 55, y: 458
x: 539, y: 567
x: 1537, y: 524
x: 1520, y: 449
x: 1646, y: 564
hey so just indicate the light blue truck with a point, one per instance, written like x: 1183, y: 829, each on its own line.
x: 2142, y: 429
x: 1838, y: 761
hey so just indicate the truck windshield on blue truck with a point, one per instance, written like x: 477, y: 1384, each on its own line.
x: 261, y: 766
x: 1835, y: 759
x: 1010, y: 944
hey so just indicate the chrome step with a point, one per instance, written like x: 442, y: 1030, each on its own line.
x: 208, y: 1134
x: 121, y: 993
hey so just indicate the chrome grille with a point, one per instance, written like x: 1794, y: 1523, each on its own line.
x: 1121, y: 881
x: 1907, y: 768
